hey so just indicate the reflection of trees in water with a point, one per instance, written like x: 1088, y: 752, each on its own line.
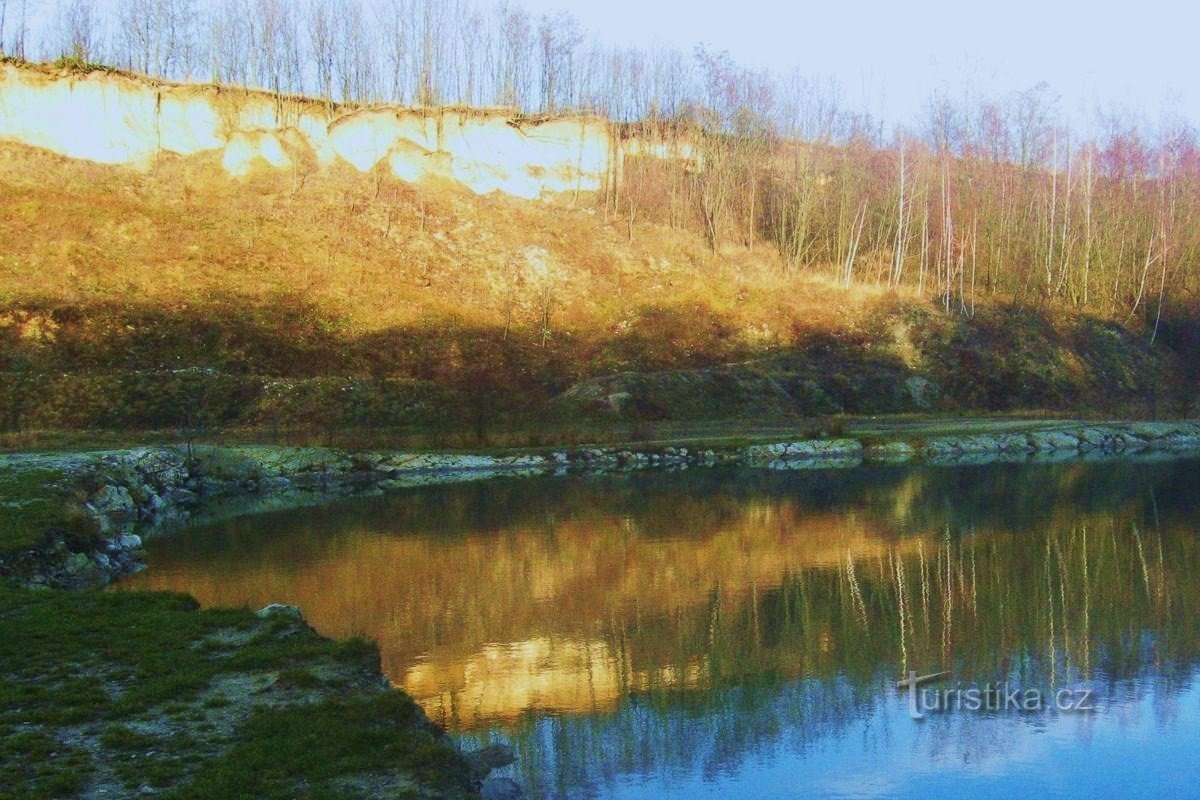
x: 1106, y: 598
x: 662, y: 735
x: 707, y: 615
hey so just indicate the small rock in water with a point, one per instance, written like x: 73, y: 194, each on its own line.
x: 500, y: 789
x: 278, y: 610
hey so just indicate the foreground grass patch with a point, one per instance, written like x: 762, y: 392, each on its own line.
x: 28, y: 505
x: 134, y: 692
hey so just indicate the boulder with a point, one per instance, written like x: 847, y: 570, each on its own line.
x: 113, y: 501
x: 77, y: 563
x: 279, y: 610
x: 180, y: 497
x: 129, y: 541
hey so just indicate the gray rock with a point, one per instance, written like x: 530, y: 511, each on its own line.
x: 810, y: 450
x: 129, y: 541
x: 77, y: 563
x: 278, y: 610
x: 1093, y: 439
x: 941, y: 446
x: 1015, y: 443
x: 618, y: 401
x: 113, y: 501
x: 1053, y: 440
x: 1152, y: 430
x: 179, y: 497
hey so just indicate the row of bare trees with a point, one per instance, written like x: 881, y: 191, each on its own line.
x: 983, y: 197
x: 1108, y: 222
x: 408, y: 52
x: 363, y: 51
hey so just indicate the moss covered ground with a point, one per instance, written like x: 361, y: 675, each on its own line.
x: 31, y: 503
x: 122, y: 694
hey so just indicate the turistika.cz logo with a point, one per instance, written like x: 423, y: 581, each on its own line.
x: 991, y: 697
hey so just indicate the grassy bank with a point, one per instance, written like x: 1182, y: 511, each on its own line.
x: 140, y: 693
x: 143, y: 694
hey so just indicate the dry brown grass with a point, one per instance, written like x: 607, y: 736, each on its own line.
x: 368, y: 250
x: 179, y: 297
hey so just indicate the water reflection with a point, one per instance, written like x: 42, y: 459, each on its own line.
x: 678, y: 632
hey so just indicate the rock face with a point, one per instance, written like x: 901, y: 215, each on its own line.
x: 131, y: 121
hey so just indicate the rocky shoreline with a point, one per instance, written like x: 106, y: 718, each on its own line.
x: 126, y: 493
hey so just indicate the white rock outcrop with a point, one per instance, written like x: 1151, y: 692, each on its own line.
x: 113, y: 118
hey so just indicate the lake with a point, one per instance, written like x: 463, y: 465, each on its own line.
x: 740, y: 633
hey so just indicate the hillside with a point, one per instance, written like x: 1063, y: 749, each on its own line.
x: 193, y: 259
x: 178, y: 297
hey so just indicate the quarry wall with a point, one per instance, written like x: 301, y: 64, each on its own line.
x: 113, y: 118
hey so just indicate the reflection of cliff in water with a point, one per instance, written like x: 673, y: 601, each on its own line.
x: 645, y: 601
x: 1110, y: 604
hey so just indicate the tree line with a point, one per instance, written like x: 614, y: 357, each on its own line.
x: 980, y: 196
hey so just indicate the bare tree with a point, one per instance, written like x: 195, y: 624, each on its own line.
x: 78, y: 30
x: 514, y: 44
x: 3, y: 19
x: 901, y: 234
x: 321, y: 44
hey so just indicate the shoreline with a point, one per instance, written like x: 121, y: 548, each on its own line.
x: 122, y: 494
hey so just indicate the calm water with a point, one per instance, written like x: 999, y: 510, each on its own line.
x: 739, y: 634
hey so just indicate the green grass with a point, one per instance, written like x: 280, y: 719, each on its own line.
x: 280, y: 748
x: 36, y: 765
x: 121, y: 685
x: 31, y: 504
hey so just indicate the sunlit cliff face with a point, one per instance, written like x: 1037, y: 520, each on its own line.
x: 115, y: 119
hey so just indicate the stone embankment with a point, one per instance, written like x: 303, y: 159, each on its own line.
x: 129, y: 492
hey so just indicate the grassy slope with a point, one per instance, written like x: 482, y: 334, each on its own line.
x: 329, y: 300
x: 119, y: 691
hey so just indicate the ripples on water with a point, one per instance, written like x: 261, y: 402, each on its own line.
x: 738, y: 633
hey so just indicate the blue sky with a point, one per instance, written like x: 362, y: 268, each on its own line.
x: 888, y: 56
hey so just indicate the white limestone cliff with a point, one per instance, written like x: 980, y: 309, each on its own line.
x: 112, y: 118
